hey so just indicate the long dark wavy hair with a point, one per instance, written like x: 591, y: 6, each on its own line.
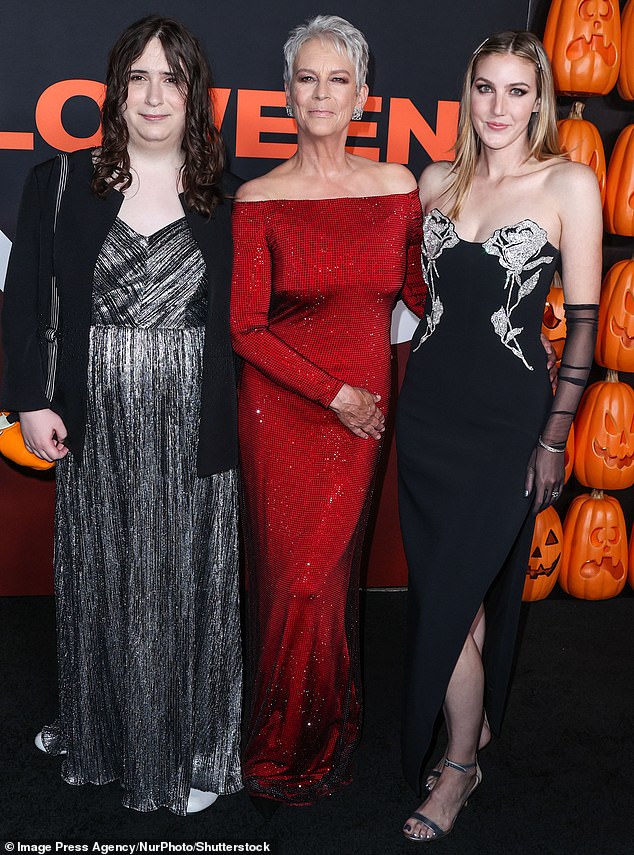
x: 202, y: 144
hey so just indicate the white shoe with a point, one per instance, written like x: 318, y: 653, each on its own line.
x: 39, y: 743
x: 200, y: 800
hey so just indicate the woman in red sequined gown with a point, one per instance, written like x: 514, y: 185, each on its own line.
x: 324, y: 245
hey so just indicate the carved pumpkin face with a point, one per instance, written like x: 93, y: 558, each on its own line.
x: 618, y: 208
x: 594, y: 566
x: 614, y: 445
x: 615, y: 338
x: 604, y: 436
x: 554, y: 320
x: 583, y: 42
x: 545, y: 556
x: 582, y: 143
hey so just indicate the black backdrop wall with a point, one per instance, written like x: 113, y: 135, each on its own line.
x: 418, y: 53
x: 52, y: 67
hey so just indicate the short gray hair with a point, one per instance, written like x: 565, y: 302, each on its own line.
x: 346, y: 39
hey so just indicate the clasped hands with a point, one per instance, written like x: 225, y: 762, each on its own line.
x: 357, y: 410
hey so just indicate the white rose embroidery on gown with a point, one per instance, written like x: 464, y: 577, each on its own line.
x: 515, y: 246
x: 438, y: 235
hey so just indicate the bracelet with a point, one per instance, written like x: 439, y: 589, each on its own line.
x: 550, y: 447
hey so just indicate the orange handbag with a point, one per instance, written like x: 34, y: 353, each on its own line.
x: 12, y: 445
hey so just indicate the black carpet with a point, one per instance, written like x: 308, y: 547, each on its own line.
x: 559, y: 780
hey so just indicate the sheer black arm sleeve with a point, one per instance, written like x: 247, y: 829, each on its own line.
x: 576, y: 361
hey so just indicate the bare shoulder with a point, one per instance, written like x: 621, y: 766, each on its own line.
x: 253, y: 191
x: 384, y: 178
x: 571, y: 181
x: 433, y: 181
x: 397, y: 178
x: 572, y: 190
x: 261, y: 189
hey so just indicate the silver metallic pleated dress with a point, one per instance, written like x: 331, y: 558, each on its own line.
x: 145, y: 550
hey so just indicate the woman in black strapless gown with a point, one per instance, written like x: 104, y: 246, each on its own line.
x: 479, y: 433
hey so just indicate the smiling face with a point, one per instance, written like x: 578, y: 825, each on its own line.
x: 503, y: 98
x: 323, y: 90
x: 155, y: 107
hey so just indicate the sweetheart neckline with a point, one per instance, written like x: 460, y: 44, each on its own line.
x: 493, y: 234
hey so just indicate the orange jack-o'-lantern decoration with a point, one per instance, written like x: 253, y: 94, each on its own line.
x: 554, y: 320
x: 615, y: 338
x: 569, y: 454
x: 545, y: 556
x: 594, y: 562
x: 626, y: 72
x: 583, y: 40
x: 618, y: 208
x: 582, y: 143
x: 604, y: 435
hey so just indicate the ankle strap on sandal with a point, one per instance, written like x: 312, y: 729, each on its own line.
x: 460, y: 767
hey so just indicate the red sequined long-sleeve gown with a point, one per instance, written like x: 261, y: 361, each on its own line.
x: 315, y: 282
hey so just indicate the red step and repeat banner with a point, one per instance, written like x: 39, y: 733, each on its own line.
x: 52, y: 66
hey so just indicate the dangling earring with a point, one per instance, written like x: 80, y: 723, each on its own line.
x: 289, y: 111
x: 357, y: 114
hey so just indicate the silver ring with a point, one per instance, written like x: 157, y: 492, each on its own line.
x: 555, y: 494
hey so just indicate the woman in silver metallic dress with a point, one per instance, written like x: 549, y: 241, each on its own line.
x: 140, y: 415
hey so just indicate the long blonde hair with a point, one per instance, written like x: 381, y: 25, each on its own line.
x: 542, y: 128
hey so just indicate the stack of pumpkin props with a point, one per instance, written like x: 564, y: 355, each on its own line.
x: 591, y: 50
x: 591, y: 47
x: 595, y: 562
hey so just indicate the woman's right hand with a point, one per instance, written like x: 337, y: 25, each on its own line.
x: 44, y: 434
x: 357, y: 410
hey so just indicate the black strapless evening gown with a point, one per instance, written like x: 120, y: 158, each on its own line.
x: 475, y: 397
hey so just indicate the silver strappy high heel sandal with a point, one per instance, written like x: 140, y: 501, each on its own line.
x: 439, y: 832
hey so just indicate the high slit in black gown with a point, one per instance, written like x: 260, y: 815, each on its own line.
x: 475, y: 398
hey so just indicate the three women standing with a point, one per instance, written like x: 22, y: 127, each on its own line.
x: 146, y: 546
x: 141, y: 419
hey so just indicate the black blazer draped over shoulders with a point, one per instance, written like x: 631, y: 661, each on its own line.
x: 83, y: 223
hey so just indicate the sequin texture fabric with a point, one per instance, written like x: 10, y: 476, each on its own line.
x: 314, y: 285
x: 145, y: 550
